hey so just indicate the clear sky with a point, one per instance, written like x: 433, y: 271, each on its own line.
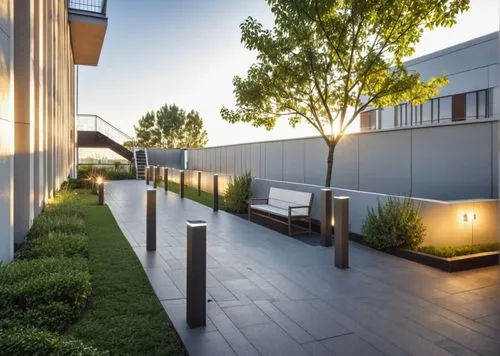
x: 186, y: 52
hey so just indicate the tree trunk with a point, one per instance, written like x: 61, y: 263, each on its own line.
x: 329, y: 162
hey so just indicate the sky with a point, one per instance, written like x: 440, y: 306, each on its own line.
x: 186, y: 52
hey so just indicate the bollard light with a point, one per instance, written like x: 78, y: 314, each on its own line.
x: 100, y: 187
x: 199, y: 183
x: 165, y: 179
x: 326, y: 217
x: 151, y: 220
x: 341, y: 211
x: 156, y: 176
x: 181, y: 185
x: 146, y: 174
x: 196, y: 273
x: 216, y: 193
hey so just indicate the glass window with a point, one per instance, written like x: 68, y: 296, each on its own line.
x: 445, y: 109
x: 426, y: 112
x: 481, y: 104
x: 435, y: 110
x: 402, y: 115
x: 489, y: 113
x: 396, y: 116
x: 417, y: 118
x: 471, y: 106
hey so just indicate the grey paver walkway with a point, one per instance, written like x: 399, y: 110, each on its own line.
x: 274, y: 295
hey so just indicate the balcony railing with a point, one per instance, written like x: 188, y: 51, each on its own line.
x: 95, y: 123
x: 92, y: 6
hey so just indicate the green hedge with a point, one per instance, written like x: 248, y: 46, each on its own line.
x: 68, y: 222
x: 47, y: 293
x: 28, y: 341
x: 237, y: 193
x: 55, y: 245
x: 447, y: 252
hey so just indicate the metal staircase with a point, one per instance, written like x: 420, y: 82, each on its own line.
x: 141, y: 161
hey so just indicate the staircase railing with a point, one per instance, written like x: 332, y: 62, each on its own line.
x: 86, y: 122
x: 92, y: 6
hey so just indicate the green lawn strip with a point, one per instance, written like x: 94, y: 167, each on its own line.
x: 447, y: 252
x: 192, y: 194
x: 124, y: 315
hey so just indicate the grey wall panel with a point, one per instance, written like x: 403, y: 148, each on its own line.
x: 384, y: 162
x: 231, y: 166
x: 248, y: 158
x: 315, y: 165
x: 238, y: 164
x: 345, y: 169
x: 169, y: 158
x: 495, y: 157
x: 476, y: 79
x: 213, y: 162
x: 453, y: 162
x: 263, y: 151
x: 274, y: 160
x: 255, y: 164
x: 294, y: 161
x: 387, y: 118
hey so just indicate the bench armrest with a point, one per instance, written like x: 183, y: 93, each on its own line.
x: 252, y: 200
x: 308, y: 207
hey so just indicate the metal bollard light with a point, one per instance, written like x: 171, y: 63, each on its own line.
x: 101, y: 193
x: 156, y: 176
x: 146, y: 174
x: 165, y: 178
x: 326, y: 217
x: 181, y: 185
x: 216, y: 193
x: 151, y: 220
x: 341, y: 211
x: 196, y: 273
x: 199, y: 183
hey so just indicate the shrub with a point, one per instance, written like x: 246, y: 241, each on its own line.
x: 395, y: 224
x: 238, y: 193
x: 29, y: 341
x: 57, y: 221
x: 78, y: 183
x: 90, y: 175
x: 55, y: 245
x: 47, y: 293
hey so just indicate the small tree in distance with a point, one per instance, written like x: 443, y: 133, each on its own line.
x: 171, y: 127
x: 326, y: 61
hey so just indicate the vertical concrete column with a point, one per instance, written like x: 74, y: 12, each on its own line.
x: 6, y: 132
x: 181, y: 185
x: 146, y: 174
x: 216, y: 193
x: 165, y: 179
x: 199, y: 183
x: 341, y: 211
x: 156, y: 176
x: 24, y: 117
x: 196, y: 276
x: 326, y: 217
x: 151, y: 220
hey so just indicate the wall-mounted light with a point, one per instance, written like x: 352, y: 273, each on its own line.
x: 469, y: 217
x: 99, y: 180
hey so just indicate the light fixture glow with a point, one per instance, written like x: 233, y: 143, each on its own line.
x: 99, y: 180
x: 469, y: 217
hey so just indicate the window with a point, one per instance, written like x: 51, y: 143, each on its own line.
x: 426, y: 112
x: 435, y: 110
x: 370, y: 120
x: 481, y: 104
x: 417, y: 115
x: 471, y: 106
x: 400, y: 115
x: 458, y: 107
x: 445, y: 109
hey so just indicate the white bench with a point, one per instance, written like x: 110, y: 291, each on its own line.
x: 283, y: 204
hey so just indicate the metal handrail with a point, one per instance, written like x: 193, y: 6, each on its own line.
x: 91, y: 6
x: 87, y: 122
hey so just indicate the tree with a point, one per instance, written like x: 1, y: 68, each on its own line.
x: 326, y: 61
x: 171, y: 127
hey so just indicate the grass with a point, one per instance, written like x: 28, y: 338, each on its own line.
x: 447, y: 252
x: 192, y: 194
x: 124, y: 315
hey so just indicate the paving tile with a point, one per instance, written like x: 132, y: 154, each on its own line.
x: 350, y: 345
x: 492, y: 321
x: 246, y: 315
x: 270, y: 339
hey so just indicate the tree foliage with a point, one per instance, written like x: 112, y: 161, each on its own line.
x: 171, y: 127
x: 326, y: 61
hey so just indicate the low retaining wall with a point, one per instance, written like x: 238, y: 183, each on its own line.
x: 444, y: 220
x: 207, y: 180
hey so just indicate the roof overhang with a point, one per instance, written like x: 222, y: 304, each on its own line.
x: 88, y: 30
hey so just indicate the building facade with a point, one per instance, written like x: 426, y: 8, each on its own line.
x: 472, y: 71
x: 41, y: 42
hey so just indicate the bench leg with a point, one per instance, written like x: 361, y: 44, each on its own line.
x: 249, y: 213
x: 289, y: 225
x: 310, y: 227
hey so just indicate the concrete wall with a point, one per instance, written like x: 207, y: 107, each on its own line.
x: 6, y: 130
x: 444, y: 221
x: 37, y: 112
x: 447, y: 162
x: 165, y: 158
